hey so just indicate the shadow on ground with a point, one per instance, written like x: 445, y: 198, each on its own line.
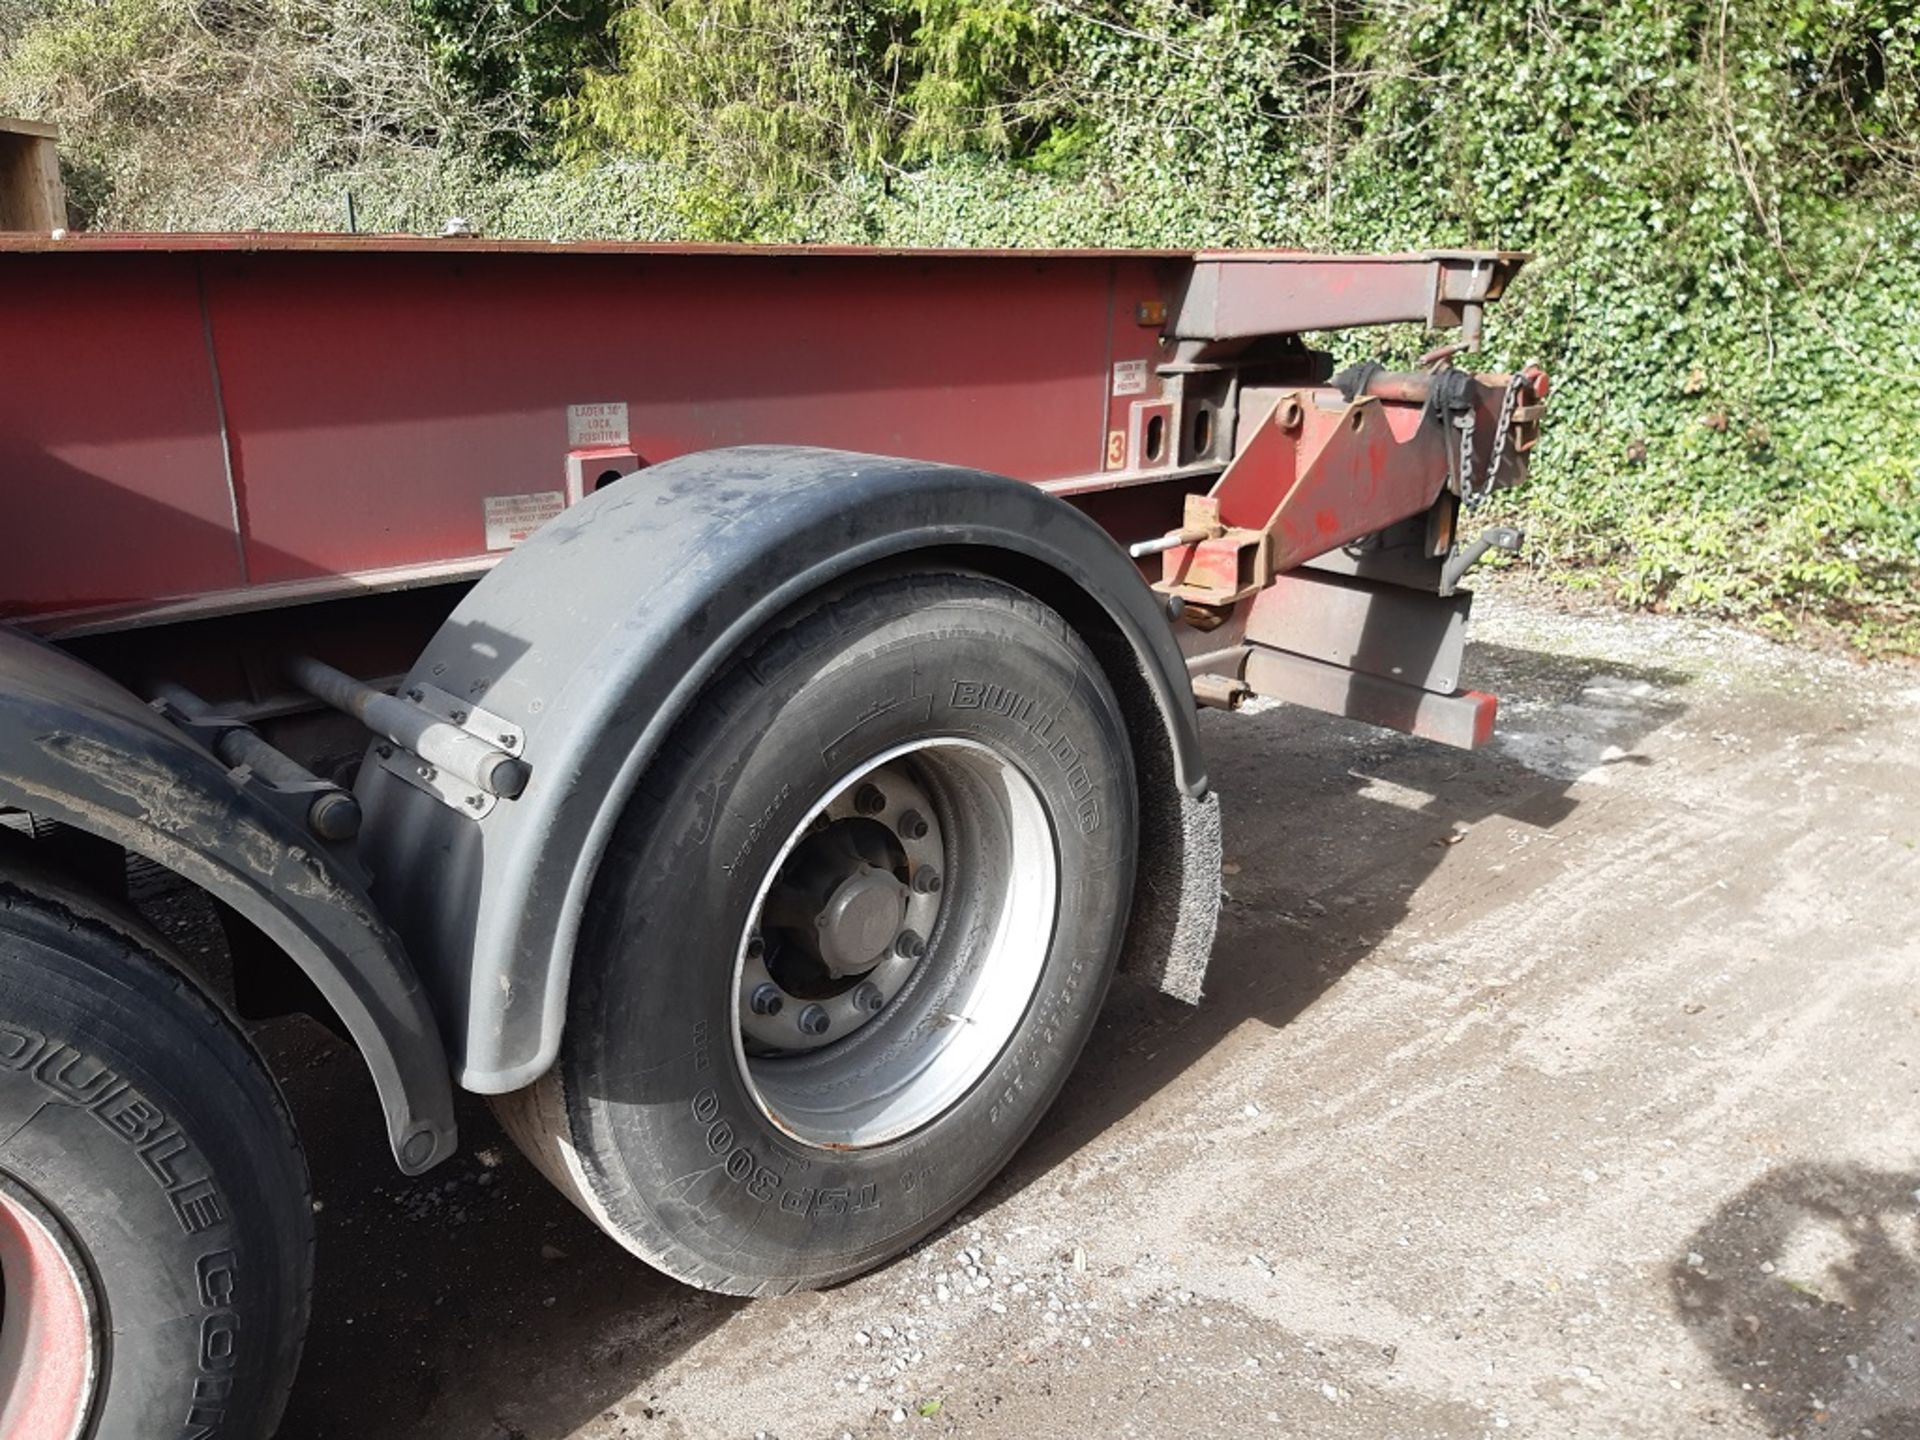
x: 474, y: 1303
x: 1804, y: 1291
x: 477, y: 1304
x: 1333, y: 828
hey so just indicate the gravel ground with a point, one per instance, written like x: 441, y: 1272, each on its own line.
x: 1564, y: 1089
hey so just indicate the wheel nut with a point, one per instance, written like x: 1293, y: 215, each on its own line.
x: 867, y: 996
x: 926, y: 880
x: 756, y: 947
x: 814, y: 1020
x: 767, y: 1000
x: 909, y: 945
x: 913, y: 825
x: 868, y: 800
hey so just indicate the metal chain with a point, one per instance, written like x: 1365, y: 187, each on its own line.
x: 1503, y: 427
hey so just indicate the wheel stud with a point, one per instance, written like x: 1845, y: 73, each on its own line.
x: 767, y: 1000
x: 814, y: 1020
x: 926, y: 880
x: 868, y: 800
x: 910, y: 945
x: 913, y: 825
x: 867, y: 996
x: 756, y: 947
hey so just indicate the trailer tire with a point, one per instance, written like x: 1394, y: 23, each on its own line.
x: 916, y: 726
x: 156, y: 1225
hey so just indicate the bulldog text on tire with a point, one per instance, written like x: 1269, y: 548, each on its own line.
x: 848, y: 941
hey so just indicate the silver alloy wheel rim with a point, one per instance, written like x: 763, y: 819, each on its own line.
x: 49, y: 1323
x: 920, y: 852
x: 946, y: 1014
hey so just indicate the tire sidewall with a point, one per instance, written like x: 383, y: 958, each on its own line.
x: 686, y: 1156
x: 137, y: 1114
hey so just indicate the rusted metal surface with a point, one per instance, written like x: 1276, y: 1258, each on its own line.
x: 1369, y: 650
x: 1463, y: 720
x: 1237, y: 295
x: 1321, y: 470
x: 1385, y: 630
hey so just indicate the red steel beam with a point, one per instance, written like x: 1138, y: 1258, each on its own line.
x: 225, y: 421
x: 1238, y: 295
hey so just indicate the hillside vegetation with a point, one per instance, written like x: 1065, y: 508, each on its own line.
x: 1724, y: 198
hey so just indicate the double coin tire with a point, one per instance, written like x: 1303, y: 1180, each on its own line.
x: 156, y: 1223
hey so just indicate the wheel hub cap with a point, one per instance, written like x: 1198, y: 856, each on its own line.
x: 860, y: 921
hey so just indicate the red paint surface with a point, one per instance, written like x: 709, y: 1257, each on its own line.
x: 375, y: 395
x: 110, y: 462
x: 204, y: 416
x: 46, y: 1338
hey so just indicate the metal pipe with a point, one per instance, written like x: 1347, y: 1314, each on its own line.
x: 1142, y: 549
x: 1499, y: 537
x: 1397, y: 385
x: 1219, y: 692
x: 439, y: 743
x: 333, y: 814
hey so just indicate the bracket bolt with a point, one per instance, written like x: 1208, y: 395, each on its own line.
x: 766, y: 1000
x: 868, y: 800
x: 867, y: 996
x: 814, y: 1020
x: 913, y: 825
x: 926, y: 880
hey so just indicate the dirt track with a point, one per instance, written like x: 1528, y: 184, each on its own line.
x: 1565, y: 1089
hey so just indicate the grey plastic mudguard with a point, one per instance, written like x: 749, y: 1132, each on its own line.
x: 596, y: 634
x: 77, y: 747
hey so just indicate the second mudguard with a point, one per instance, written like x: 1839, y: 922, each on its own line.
x: 597, y: 633
x: 77, y: 747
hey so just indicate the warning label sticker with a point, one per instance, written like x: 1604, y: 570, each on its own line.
x: 1130, y: 377
x: 597, y: 425
x: 512, y: 518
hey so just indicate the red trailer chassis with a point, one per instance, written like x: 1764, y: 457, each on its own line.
x: 519, y: 510
x: 198, y: 423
